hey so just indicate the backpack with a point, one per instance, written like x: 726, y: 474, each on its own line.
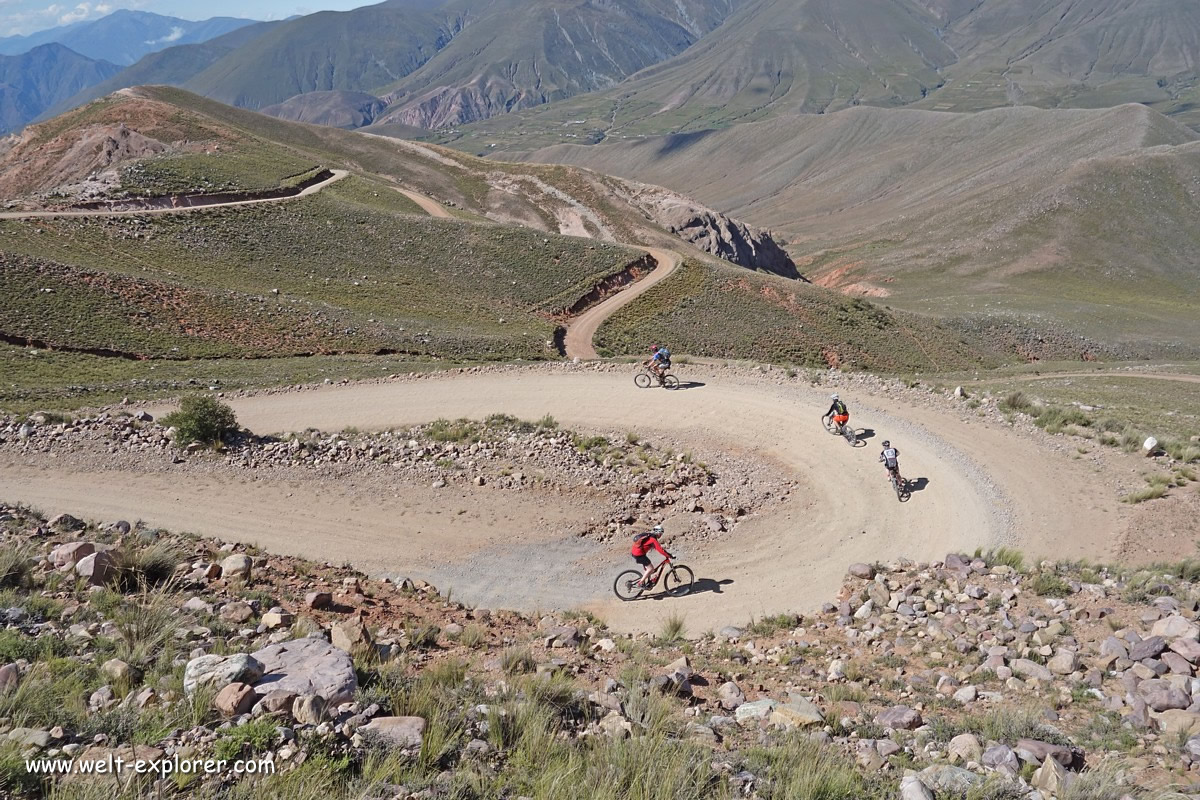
x: 665, y: 355
x: 891, y: 458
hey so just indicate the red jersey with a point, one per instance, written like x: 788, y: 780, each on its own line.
x: 643, y: 546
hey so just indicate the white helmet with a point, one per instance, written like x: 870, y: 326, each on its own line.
x: 657, y: 529
x: 833, y: 396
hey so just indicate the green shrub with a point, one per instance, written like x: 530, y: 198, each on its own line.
x: 15, y: 564
x: 1053, y: 419
x: 1002, y: 555
x: 517, y: 660
x: 1016, y: 401
x: 142, y: 567
x: 423, y: 637
x: 201, y: 418
x: 246, y: 740
x: 1048, y: 584
x: 672, y: 631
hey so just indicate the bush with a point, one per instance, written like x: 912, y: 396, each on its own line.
x: 673, y: 630
x: 1016, y: 401
x: 517, y: 660
x: 246, y: 740
x: 201, y: 418
x: 15, y: 564
x: 1047, y: 584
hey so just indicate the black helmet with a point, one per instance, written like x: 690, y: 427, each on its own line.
x: 886, y: 443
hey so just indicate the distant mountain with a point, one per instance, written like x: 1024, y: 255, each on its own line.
x: 174, y: 66
x: 46, y: 75
x: 442, y: 62
x: 776, y: 57
x: 517, y: 54
x: 125, y: 36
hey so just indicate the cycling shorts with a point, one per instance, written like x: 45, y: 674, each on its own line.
x: 841, y: 419
x: 643, y: 561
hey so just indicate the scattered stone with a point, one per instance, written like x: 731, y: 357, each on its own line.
x: 220, y: 671
x: 237, y: 566
x: 403, y: 732
x: 234, y: 699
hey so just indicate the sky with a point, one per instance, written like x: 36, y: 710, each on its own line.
x: 27, y: 16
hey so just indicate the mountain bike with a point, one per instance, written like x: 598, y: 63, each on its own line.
x: 677, y: 581
x: 644, y: 379
x: 899, y: 485
x: 845, y: 431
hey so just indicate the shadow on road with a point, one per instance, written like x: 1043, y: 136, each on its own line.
x: 866, y: 433
x: 918, y: 484
x: 700, y: 586
x: 689, y: 385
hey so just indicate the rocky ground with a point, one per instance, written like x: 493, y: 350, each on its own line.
x: 971, y: 677
x: 638, y: 482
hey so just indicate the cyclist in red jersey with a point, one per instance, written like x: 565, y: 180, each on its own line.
x: 643, y: 543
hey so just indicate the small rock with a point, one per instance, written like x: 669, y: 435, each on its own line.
x: 234, y: 699
x: 308, y: 709
x: 899, y: 718
x: 237, y: 566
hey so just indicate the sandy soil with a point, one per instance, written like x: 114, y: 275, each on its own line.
x: 980, y: 486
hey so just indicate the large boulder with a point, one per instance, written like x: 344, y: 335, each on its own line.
x: 796, y: 713
x: 307, y: 666
x: 220, y: 671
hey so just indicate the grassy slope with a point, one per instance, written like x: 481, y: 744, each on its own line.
x: 356, y: 271
x: 354, y: 274
x: 1080, y: 217
x: 727, y: 313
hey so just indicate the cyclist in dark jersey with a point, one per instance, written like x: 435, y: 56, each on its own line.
x: 838, y: 411
x: 643, y: 543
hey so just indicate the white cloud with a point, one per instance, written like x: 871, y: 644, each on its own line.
x: 175, y: 35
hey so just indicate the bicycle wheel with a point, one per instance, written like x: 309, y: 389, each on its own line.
x: 642, y: 380
x: 830, y: 425
x: 670, y: 382
x: 678, y: 581
x: 626, y: 585
x: 851, y: 436
x: 896, y: 487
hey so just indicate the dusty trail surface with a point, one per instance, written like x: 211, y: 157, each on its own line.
x: 979, y: 486
x: 430, y: 206
x: 337, y: 175
x: 582, y: 330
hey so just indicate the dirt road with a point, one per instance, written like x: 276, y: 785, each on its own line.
x: 978, y: 486
x: 430, y: 206
x: 582, y: 330
x: 337, y: 175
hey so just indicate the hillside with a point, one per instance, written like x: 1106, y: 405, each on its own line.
x: 125, y: 36
x: 43, y: 77
x: 357, y: 269
x: 1073, y: 217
